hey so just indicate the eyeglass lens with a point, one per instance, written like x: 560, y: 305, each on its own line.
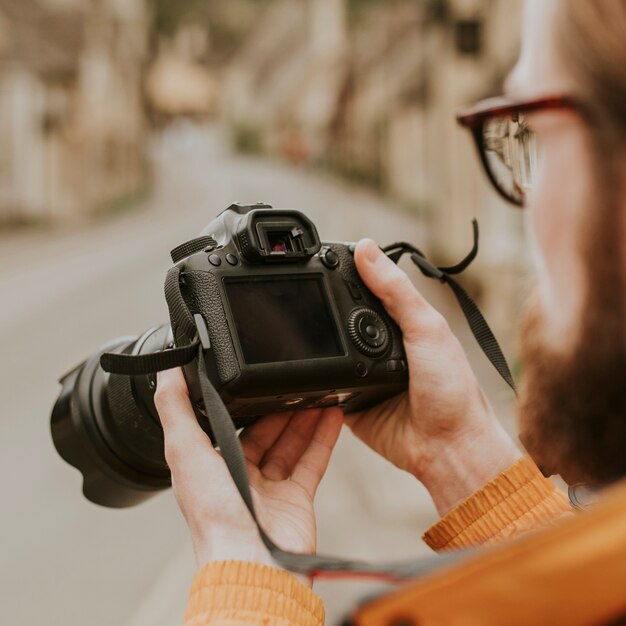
x: 510, y: 151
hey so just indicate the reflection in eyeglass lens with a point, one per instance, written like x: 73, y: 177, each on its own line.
x: 510, y: 149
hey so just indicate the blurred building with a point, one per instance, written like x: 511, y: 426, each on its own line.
x: 72, y: 129
x: 179, y: 82
x: 193, y: 41
x: 282, y: 89
x: 370, y: 89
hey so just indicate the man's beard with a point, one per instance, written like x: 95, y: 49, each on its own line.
x: 573, y: 406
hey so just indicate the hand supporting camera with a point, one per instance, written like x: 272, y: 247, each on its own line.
x: 443, y: 429
x: 287, y: 456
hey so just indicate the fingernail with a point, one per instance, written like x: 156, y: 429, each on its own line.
x: 372, y: 251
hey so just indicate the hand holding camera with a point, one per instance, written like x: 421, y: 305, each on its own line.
x: 287, y: 455
x: 442, y: 429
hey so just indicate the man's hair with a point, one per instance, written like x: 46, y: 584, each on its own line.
x: 591, y: 35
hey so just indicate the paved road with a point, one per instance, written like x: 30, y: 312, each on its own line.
x: 66, y: 562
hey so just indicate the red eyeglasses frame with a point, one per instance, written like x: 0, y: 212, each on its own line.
x: 475, y: 116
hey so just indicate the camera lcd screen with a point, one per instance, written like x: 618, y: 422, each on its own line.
x: 282, y: 319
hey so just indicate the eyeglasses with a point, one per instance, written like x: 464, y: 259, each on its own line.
x: 506, y: 143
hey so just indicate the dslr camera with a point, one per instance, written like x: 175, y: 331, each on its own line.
x: 290, y: 326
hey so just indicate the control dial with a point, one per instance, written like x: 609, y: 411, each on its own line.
x: 368, y: 332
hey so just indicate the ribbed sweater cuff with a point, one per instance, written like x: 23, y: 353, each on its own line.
x: 240, y: 591
x: 518, y: 499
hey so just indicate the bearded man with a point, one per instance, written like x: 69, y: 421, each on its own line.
x: 556, y: 144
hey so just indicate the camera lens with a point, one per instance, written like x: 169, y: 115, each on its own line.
x: 108, y: 428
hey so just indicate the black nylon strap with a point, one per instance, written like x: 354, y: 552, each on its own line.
x: 311, y: 565
x: 179, y: 311
x: 142, y: 364
x: 395, y: 251
x: 477, y: 323
x: 464, y: 264
x: 137, y: 365
x: 481, y: 331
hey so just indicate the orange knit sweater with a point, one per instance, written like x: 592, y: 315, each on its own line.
x: 235, y: 593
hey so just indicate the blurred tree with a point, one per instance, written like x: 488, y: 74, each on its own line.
x: 167, y: 15
x: 228, y: 22
x: 437, y: 9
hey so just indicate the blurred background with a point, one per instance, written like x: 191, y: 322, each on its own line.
x: 125, y: 126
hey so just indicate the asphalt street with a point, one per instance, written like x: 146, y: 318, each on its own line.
x: 64, y: 292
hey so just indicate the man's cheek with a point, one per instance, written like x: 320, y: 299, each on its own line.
x: 554, y: 206
x: 543, y: 288
x: 542, y: 233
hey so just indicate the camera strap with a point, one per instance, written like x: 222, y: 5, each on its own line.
x: 181, y: 320
x: 311, y: 565
x: 477, y: 323
x: 225, y: 433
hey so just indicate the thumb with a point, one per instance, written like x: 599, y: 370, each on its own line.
x: 183, y: 434
x: 394, y: 288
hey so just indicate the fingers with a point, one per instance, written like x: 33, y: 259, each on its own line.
x: 280, y: 460
x: 183, y: 435
x: 258, y: 438
x: 311, y: 467
x: 282, y: 445
x: 415, y: 316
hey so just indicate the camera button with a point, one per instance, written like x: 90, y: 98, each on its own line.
x: 361, y: 369
x: 231, y: 259
x: 396, y: 365
x: 354, y: 290
x: 372, y: 332
x: 329, y: 258
x: 215, y: 259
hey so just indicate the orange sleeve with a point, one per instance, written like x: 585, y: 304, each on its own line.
x: 516, y: 501
x: 237, y: 593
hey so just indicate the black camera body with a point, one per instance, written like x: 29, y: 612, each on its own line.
x: 291, y: 324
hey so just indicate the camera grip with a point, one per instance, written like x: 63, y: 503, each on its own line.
x: 201, y: 292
